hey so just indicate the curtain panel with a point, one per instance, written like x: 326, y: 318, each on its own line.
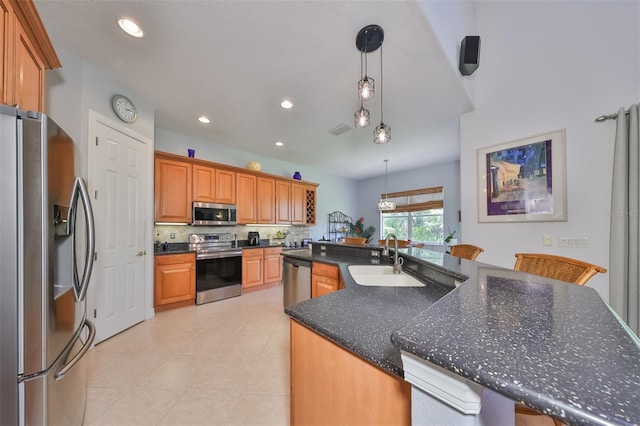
x: 624, y: 243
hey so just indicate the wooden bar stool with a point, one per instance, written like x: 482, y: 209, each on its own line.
x: 559, y: 268
x: 466, y: 251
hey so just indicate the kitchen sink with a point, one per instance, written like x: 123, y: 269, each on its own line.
x: 381, y: 276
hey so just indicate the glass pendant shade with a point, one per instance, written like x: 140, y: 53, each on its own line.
x: 366, y: 88
x: 382, y: 133
x: 384, y: 205
x: 361, y: 117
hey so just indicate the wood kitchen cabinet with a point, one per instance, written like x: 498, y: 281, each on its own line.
x: 213, y: 185
x: 172, y: 190
x: 283, y: 202
x: 26, y: 53
x: 298, y: 204
x: 310, y: 204
x: 266, y: 191
x: 261, y: 268
x: 245, y: 198
x: 272, y: 265
x: 252, y: 268
x: 325, y: 279
x: 174, y: 281
x: 258, y: 197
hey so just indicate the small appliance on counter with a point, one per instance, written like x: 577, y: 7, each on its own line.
x: 253, y: 239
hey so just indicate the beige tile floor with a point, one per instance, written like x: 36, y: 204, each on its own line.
x: 223, y: 363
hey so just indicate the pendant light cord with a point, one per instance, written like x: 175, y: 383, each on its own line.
x: 381, y: 83
x: 386, y: 175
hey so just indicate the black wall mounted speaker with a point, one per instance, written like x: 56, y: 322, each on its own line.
x: 469, y: 54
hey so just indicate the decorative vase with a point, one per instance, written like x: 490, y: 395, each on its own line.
x: 297, y: 176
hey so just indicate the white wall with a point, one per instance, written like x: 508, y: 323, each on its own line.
x: 451, y: 21
x: 545, y: 66
x: 77, y: 87
x: 334, y: 193
x: 446, y: 175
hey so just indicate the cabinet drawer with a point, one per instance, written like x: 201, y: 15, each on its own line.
x: 272, y: 251
x: 326, y: 270
x: 252, y: 252
x: 172, y: 259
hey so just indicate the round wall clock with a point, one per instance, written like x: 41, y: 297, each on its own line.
x: 124, y: 108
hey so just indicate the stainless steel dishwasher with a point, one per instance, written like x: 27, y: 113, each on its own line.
x: 296, y: 278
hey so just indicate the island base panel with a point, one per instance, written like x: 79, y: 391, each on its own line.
x: 331, y: 386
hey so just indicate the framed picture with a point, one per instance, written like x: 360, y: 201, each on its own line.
x: 523, y: 180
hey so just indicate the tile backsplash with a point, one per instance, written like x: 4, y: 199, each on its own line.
x: 293, y: 234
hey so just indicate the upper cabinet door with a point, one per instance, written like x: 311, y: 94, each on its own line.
x: 225, y: 187
x: 283, y: 202
x: 29, y: 73
x: 266, y: 200
x: 204, y: 184
x: 6, y: 50
x: 246, y: 198
x: 172, y: 191
x: 298, y: 204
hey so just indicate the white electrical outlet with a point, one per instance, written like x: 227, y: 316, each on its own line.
x: 574, y: 242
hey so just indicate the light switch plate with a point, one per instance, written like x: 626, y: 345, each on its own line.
x: 547, y: 240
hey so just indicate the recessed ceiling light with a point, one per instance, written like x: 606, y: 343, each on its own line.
x: 286, y: 104
x: 130, y: 27
x: 278, y: 143
x: 204, y: 120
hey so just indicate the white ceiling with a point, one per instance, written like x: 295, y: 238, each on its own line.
x: 235, y: 60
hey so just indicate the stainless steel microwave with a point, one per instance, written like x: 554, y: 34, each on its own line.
x: 207, y: 214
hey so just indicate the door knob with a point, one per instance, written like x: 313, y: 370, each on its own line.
x: 141, y: 253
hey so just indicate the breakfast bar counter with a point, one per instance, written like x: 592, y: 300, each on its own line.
x: 555, y: 346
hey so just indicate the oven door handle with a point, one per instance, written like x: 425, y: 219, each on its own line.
x: 218, y: 255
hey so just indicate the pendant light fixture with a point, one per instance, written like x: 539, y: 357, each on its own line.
x: 361, y: 116
x: 382, y: 132
x: 369, y: 39
x: 384, y: 204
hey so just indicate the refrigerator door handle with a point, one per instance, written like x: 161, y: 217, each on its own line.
x: 69, y: 365
x: 73, y: 361
x: 80, y: 192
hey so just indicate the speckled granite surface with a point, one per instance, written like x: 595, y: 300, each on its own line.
x: 361, y: 318
x: 553, y: 345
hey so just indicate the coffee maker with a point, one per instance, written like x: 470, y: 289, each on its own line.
x: 254, y: 238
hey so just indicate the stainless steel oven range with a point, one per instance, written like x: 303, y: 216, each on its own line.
x: 218, y: 266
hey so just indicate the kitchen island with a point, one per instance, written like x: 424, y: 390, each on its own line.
x: 552, y: 345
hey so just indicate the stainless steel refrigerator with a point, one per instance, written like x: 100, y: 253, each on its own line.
x: 46, y: 256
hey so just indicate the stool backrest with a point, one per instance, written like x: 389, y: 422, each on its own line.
x: 557, y: 267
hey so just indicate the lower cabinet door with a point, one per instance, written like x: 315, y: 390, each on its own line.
x: 322, y: 285
x: 252, y: 270
x: 174, y: 283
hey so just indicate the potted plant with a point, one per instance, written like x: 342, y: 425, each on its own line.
x: 358, y: 229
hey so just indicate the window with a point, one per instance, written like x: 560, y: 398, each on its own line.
x: 418, y: 215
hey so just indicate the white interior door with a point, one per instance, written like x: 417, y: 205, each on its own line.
x: 119, y: 174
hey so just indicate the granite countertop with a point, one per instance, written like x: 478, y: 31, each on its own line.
x: 553, y: 345
x: 359, y: 318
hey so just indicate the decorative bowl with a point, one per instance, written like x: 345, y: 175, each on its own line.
x: 254, y: 165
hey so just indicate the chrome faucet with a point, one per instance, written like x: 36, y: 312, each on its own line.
x: 397, y: 262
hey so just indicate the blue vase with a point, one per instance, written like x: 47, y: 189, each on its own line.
x: 297, y: 176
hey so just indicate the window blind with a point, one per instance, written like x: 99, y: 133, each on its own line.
x: 416, y: 199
